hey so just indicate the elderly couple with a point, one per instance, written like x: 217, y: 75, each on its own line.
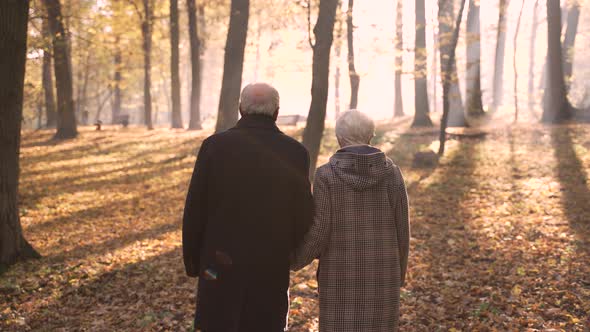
x: 250, y: 218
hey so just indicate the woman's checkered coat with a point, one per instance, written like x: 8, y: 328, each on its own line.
x: 361, y: 234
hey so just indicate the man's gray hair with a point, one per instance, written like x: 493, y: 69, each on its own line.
x: 354, y: 127
x: 259, y: 98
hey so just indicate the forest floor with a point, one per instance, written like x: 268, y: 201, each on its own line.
x: 500, y: 233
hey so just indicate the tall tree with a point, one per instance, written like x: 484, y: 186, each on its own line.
x: 117, y: 78
x: 446, y: 21
x: 323, y: 31
x: 398, y: 108
x: 355, y: 79
x: 174, y: 66
x: 573, y: 17
x: 66, y: 118
x: 195, y: 109
x: 231, y: 83
x: 556, y: 107
x: 421, y: 117
x: 13, y: 43
x: 514, y: 67
x: 47, y: 76
x: 147, y: 23
x: 82, y: 95
x: 448, y: 68
x: 532, y: 52
x: 337, y: 51
x: 473, y: 93
x: 499, y: 57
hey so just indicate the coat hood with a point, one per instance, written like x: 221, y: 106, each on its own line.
x: 361, y: 167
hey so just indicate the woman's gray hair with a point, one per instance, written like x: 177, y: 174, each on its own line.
x: 354, y: 127
x: 259, y: 98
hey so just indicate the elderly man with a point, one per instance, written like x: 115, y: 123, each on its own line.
x: 361, y: 233
x: 248, y: 207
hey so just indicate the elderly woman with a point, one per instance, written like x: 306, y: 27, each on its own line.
x: 360, y: 233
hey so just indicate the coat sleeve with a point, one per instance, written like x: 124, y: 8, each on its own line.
x: 318, y: 237
x: 402, y: 221
x: 194, y: 220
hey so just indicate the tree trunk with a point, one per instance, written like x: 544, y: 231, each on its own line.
x: 573, y: 17
x: 556, y: 105
x: 66, y: 118
x: 314, y: 129
x: 398, y: 108
x: 83, y: 95
x: 473, y: 93
x: 39, y: 114
x: 118, y: 61
x: 532, y: 52
x: 355, y: 79
x: 258, y: 36
x: 231, y: 84
x: 101, y: 104
x: 434, y: 71
x: 337, y: 51
x: 421, y: 117
x: 13, y: 42
x: 499, y: 60
x: 195, y: 109
x: 146, y: 33
x: 448, y: 68
x: 446, y: 17
x: 514, y: 45
x: 47, y: 77
x: 174, y: 66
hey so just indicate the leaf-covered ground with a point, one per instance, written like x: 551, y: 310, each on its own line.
x: 500, y: 233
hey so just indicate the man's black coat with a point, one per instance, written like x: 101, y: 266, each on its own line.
x: 248, y: 206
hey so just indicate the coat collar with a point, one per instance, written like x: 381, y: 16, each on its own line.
x: 257, y: 121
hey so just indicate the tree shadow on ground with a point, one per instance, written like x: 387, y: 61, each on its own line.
x: 163, y: 160
x: 131, y: 207
x: 440, y: 292
x: 403, y: 148
x: 113, y: 243
x: 149, y: 295
x: 574, y: 182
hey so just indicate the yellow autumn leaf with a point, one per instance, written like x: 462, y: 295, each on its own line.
x: 516, y: 290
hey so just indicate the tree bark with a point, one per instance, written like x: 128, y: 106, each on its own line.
x: 532, y: 52
x: 556, y: 105
x: 314, y: 129
x: 474, y: 103
x: 398, y: 108
x: 355, y: 79
x: 446, y: 18
x: 421, y: 117
x: 66, y: 118
x: 117, y: 78
x: 174, y: 66
x: 233, y: 65
x: 146, y: 33
x: 195, y: 108
x: 573, y: 17
x: 337, y: 51
x: 13, y: 42
x: 47, y: 77
x: 499, y: 58
x: 448, y: 68
x: 514, y: 67
x: 82, y: 93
